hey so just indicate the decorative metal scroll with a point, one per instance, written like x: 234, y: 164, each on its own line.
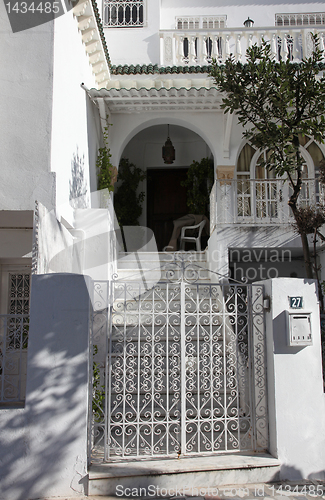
x: 184, y: 371
x: 13, y: 357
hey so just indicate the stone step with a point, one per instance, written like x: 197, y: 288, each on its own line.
x: 164, y: 257
x: 155, y: 275
x: 183, y: 474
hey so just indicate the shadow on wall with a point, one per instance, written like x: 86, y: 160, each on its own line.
x: 78, y: 184
x: 43, y: 447
x: 291, y: 473
x: 31, y: 454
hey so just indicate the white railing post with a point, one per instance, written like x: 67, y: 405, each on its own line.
x: 274, y: 46
x: 238, y: 48
x: 191, y: 49
x: 285, y: 50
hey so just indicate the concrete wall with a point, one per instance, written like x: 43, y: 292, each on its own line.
x: 295, y: 385
x: 44, y: 446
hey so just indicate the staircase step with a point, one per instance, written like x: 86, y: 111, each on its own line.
x: 184, y: 473
x: 165, y: 257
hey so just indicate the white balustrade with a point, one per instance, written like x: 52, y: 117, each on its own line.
x: 199, y: 47
x: 249, y: 201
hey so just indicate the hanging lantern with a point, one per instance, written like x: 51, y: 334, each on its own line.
x: 168, y: 151
x: 249, y: 23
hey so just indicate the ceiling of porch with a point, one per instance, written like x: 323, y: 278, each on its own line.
x: 146, y: 96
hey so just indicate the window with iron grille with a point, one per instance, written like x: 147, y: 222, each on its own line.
x: 18, y: 305
x: 201, y: 22
x: 19, y: 291
x: 303, y: 19
x: 124, y: 14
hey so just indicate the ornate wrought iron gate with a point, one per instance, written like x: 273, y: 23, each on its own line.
x: 184, y: 369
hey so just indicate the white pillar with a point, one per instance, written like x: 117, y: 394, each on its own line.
x: 295, y: 386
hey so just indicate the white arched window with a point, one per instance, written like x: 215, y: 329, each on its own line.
x: 261, y: 195
x: 123, y: 14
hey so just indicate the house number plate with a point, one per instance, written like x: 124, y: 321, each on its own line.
x: 295, y: 302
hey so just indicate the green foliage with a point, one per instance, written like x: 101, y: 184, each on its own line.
x: 199, y: 183
x: 106, y: 171
x: 127, y: 203
x: 98, y: 402
x: 275, y: 102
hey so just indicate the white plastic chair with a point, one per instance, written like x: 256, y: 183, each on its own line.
x: 192, y: 239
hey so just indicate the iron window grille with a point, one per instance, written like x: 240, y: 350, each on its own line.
x: 124, y: 14
x: 303, y: 19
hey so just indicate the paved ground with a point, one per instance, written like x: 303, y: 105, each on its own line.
x: 304, y: 490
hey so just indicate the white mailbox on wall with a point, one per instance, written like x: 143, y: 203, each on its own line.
x: 299, y: 329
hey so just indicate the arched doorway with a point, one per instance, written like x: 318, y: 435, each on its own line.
x: 165, y: 197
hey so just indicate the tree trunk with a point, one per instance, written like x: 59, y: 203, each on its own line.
x: 293, y: 205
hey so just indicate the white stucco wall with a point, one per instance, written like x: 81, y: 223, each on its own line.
x: 136, y: 45
x: 53, y: 246
x: 75, y: 124
x: 262, y: 11
x: 44, y: 446
x: 25, y: 115
x: 295, y: 386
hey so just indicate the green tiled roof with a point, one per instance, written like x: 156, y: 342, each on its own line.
x: 151, y: 69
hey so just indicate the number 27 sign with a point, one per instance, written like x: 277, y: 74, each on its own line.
x: 295, y: 302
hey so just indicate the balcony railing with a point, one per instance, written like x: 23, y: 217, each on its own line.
x: 248, y: 201
x: 14, y: 331
x: 200, y: 46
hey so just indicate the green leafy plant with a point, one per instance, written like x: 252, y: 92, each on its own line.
x: 198, y: 184
x: 106, y: 171
x: 277, y: 102
x: 127, y: 202
x: 98, y: 402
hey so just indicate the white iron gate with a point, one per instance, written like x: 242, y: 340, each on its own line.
x: 182, y: 371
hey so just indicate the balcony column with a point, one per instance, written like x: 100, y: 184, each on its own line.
x: 180, y: 50
x: 227, y: 46
x: 238, y: 48
x: 274, y: 48
x: 203, y: 52
x: 225, y: 194
x: 192, y: 53
x: 285, y: 49
x: 216, y: 49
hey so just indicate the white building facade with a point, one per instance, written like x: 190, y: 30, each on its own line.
x: 140, y: 68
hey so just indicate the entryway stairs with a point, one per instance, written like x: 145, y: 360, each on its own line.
x: 153, y: 266
x: 184, y: 473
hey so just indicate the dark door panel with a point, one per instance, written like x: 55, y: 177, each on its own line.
x: 166, y: 201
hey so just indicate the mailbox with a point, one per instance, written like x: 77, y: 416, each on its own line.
x: 299, y: 329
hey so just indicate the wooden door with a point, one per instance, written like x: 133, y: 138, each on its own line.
x: 166, y: 201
